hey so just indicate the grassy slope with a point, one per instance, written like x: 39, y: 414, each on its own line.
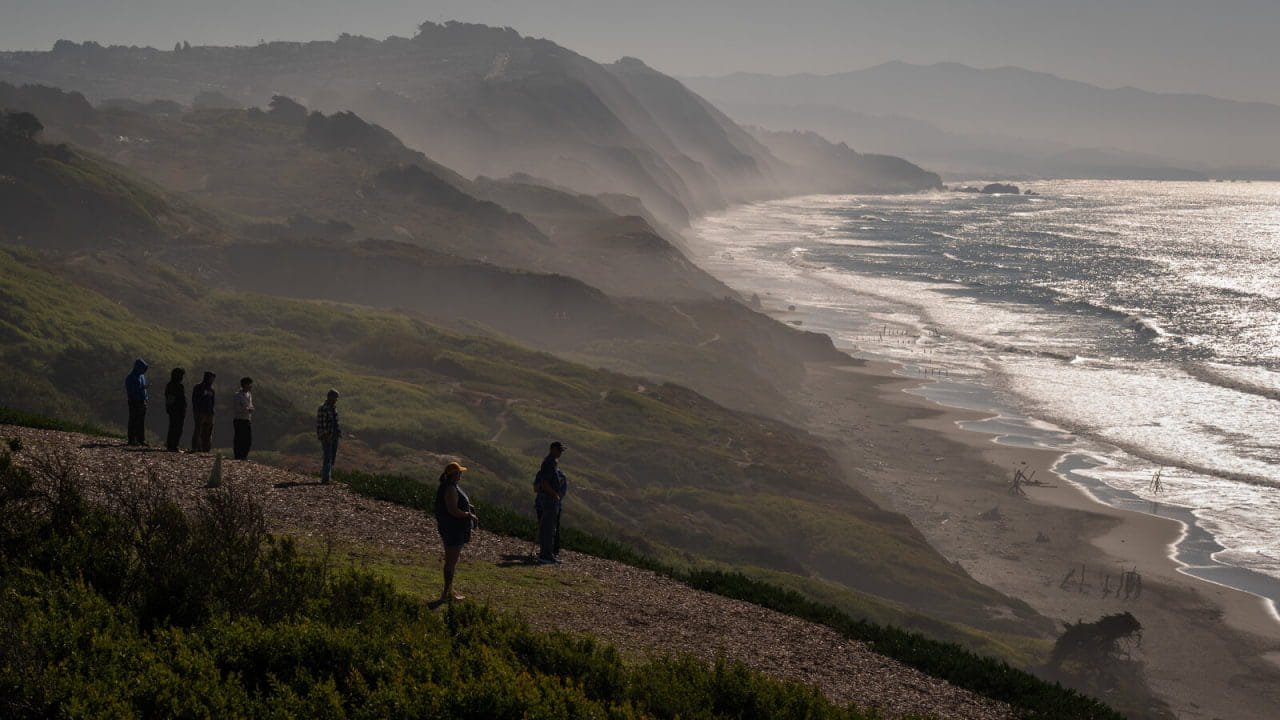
x: 218, y: 562
x: 150, y: 611
x: 658, y: 467
x: 663, y: 469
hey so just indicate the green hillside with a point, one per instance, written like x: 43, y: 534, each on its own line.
x: 657, y: 467
x: 112, y: 267
x: 202, y: 614
x: 137, y: 607
x: 291, y: 174
x: 330, y: 207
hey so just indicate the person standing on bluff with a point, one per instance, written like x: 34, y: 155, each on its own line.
x: 135, y: 391
x: 175, y: 404
x: 551, y: 486
x: 202, y: 405
x: 327, y: 432
x: 454, y: 520
x: 242, y: 420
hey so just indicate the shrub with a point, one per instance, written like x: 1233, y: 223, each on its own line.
x: 204, y: 614
x: 984, y: 675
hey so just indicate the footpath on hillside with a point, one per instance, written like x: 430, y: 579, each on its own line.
x: 636, y: 610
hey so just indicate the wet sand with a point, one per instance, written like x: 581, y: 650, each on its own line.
x: 1210, y: 651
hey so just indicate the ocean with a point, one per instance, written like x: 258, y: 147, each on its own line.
x: 1132, y: 326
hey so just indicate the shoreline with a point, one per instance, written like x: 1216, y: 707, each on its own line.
x: 1192, y: 551
x: 859, y: 268
x: 1057, y: 548
x: 1211, y: 650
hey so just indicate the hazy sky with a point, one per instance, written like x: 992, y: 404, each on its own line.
x: 1227, y: 48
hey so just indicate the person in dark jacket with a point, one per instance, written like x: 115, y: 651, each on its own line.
x: 135, y: 391
x: 202, y: 405
x: 175, y: 404
x: 454, y: 520
x: 551, y: 486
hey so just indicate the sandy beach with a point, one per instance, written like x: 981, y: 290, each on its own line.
x: 1210, y: 651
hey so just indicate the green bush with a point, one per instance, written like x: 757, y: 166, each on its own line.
x: 986, y: 676
x: 203, y: 614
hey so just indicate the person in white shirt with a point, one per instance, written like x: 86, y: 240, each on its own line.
x: 242, y: 417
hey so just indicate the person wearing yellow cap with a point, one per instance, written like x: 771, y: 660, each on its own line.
x: 455, y: 520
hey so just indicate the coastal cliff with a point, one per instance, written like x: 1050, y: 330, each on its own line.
x: 480, y: 100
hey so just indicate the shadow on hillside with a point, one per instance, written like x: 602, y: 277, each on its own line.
x: 122, y: 446
x: 295, y: 483
x: 518, y: 560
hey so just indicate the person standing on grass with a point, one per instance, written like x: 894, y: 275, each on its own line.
x: 454, y: 520
x: 135, y: 392
x: 242, y: 420
x: 327, y: 432
x: 175, y: 405
x: 551, y: 486
x: 202, y: 405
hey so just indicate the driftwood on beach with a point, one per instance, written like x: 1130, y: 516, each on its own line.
x: 1021, y: 479
x: 1128, y: 585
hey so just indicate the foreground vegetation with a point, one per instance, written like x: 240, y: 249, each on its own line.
x: 138, y: 608
x: 146, y: 611
x: 986, y: 676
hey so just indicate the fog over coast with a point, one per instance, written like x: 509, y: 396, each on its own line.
x: 850, y: 311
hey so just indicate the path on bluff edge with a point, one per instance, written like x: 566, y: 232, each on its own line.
x: 635, y: 610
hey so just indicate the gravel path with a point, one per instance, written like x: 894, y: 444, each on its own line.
x: 633, y: 609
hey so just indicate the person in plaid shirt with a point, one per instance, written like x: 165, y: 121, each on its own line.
x: 327, y: 432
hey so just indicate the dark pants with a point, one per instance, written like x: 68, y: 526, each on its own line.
x: 329, y: 455
x: 243, y: 438
x: 137, y: 423
x: 202, y: 435
x: 549, y: 530
x: 176, y: 421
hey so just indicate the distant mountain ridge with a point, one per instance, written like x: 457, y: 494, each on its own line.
x: 480, y: 100
x: 1033, y: 114
x: 329, y: 207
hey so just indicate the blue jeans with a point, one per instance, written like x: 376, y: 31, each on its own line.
x: 549, y: 529
x: 330, y: 450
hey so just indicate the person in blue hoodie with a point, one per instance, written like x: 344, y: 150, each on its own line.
x: 135, y: 391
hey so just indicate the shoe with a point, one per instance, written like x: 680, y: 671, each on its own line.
x: 548, y: 561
